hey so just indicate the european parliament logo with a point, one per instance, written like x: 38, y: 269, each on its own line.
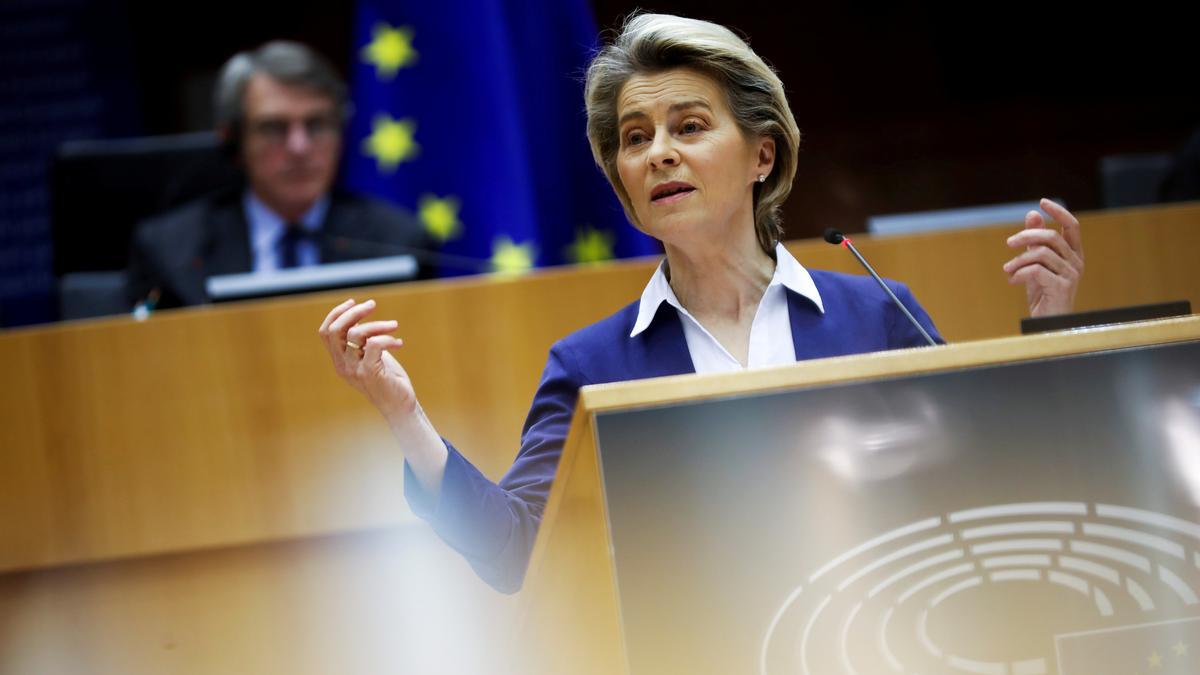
x: 1017, y: 589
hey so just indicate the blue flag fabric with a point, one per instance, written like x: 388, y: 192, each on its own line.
x: 470, y: 114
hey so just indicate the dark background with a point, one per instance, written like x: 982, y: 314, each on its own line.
x: 904, y: 106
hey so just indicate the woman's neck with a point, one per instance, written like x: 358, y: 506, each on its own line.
x: 721, y: 279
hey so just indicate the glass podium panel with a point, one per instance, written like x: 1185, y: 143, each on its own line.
x: 1036, y: 517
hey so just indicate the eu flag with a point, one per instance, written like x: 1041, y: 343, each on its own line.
x: 470, y: 113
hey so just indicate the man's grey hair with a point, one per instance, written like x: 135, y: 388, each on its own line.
x: 652, y: 43
x: 289, y: 62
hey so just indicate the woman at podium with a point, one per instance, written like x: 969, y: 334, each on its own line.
x: 696, y: 136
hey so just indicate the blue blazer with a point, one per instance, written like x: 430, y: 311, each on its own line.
x: 494, y: 526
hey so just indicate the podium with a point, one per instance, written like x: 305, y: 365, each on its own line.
x: 1013, y: 506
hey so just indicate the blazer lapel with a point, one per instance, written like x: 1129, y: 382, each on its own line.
x: 811, y: 334
x: 663, y: 348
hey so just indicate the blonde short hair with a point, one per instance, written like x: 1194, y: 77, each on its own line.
x: 651, y: 43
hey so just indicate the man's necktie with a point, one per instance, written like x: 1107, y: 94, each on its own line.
x: 289, y: 245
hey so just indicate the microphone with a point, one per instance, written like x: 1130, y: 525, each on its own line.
x: 836, y: 237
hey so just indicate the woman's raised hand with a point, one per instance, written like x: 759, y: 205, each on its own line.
x: 1051, y: 264
x: 359, y: 350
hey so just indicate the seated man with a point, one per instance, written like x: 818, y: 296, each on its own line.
x: 280, y: 111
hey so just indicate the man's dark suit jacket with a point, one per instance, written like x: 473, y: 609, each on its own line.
x: 177, y: 251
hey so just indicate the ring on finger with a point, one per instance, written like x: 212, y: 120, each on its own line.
x: 353, y: 345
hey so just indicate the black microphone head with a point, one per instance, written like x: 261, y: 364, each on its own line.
x: 833, y: 236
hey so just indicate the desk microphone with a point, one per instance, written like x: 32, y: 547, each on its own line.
x: 836, y: 237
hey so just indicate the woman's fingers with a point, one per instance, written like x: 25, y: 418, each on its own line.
x: 1044, y: 237
x: 359, y: 333
x: 360, y: 356
x: 1044, y: 256
x: 333, y: 315
x: 339, y: 327
x: 344, y: 325
x: 1070, y: 224
x: 1050, y: 264
x: 335, y: 334
x: 1068, y: 243
x: 1039, y: 272
x: 375, y: 346
x: 1060, y: 252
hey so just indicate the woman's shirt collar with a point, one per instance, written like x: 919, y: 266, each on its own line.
x: 789, y: 273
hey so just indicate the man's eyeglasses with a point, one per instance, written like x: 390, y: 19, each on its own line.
x: 275, y: 130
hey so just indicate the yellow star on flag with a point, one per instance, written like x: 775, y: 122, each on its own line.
x: 1155, y: 660
x: 512, y: 258
x: 391, y: 141
x: 1180, y: 648
x: 389, y: 50
x: 590, y: 246
x: 440, y: 217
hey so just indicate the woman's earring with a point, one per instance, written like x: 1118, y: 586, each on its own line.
x: 762, y: 178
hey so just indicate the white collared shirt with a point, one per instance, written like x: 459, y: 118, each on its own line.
x: 266, y: 227
x: 770, y: 334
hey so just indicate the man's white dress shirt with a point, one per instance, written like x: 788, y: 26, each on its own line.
x: 266, y: 229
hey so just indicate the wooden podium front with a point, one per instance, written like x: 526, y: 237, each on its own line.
x: 1019, y: 505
